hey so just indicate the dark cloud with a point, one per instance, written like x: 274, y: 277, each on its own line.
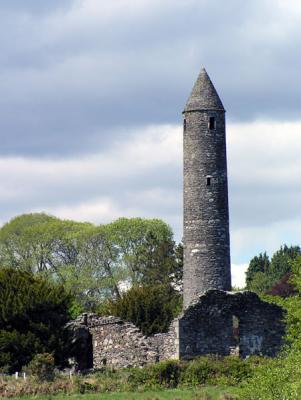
x: 73, y: 81
x: 82, y: 80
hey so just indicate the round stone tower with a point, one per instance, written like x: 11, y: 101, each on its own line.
x: 206, y: 212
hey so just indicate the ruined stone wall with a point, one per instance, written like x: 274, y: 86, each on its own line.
x: 109, y: 341
x: 118, y: 343
x: 206, y: 327
x: 167, y: 344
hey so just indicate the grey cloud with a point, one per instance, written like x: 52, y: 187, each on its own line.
x: 34, y: 6
x: 69, y: 89
x: 263, y: 188
x: 149, y: 194
x: 255, y: 207
x: 73, y: 84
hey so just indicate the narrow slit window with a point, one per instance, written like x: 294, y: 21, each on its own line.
x: 208, y: 180
x: 212, y: 123
x: 184, y: 124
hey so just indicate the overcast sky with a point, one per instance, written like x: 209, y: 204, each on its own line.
x: 90, y: 110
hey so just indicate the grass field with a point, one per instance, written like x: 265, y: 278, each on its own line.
x: 208, y: 393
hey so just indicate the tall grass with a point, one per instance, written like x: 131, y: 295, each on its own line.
x: 213, y: 371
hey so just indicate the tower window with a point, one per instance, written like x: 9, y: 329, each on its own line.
x: 212, y: 123
x: 208, y: 180
x: 184, y: 124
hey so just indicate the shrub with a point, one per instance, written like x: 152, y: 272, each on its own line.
x: 151, y: 308
x: 211, y: 370
x: 197, y: 372
x: 42, y: 367
x: 164, y: 374
x: 233, y: 370
x: 278, y: 379
x: 216, y: 370
x: 283, y: 288
x: 167, y: 373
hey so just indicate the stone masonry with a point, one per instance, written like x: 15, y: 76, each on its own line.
x: 114, y: 343
x: 214, y: 320
x: 205, y: 327
x: 206, y: 215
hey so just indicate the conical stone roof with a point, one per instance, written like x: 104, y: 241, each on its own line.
x: 203, y: 95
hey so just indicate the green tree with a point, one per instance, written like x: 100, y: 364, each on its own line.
x: 129, y: 251
x: 39, y: 243
x: 24, y: 242
x: 260, y: 263
x: 158, y: 262
x: 146, y: 249
x: 281, y: 261
x: 150, y: 307
x: 33, y: 313
x: 97, y: 272
x: 260, y: 283
x: 179, y: 253
x: 262, y: 275
x: 91, y: 261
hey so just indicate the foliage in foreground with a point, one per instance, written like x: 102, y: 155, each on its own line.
x: 204, y: 393
x: 42, y: 367
x: 33, y: 313
x: 210, y: 371
x: 280, y: 378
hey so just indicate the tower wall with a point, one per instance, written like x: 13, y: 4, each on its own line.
x: 206, y: 215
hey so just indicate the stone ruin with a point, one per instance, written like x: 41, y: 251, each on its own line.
x: 227, y: 323
x: 109, y: 341
x: 214, y: 320
x: 219, y: 322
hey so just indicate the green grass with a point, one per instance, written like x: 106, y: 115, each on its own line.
x: 207, y: 393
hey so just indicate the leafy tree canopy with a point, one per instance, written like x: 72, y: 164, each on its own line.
x: 150, y: 307
x: 39, y: 242
x: 33, y: 313
x: 263, y: 275
x: 92, y: 261
x: 281, y: 261
x: 260, y: 263
x: 260, y: 283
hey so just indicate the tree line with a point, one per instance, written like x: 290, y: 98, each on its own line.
x: 273, y: 276
x: 93, y: 262
x: 51, y: 270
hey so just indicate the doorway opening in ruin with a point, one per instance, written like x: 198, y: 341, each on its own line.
x: 82, y: 351
x: 89, y: 350
x: 234, y: 347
